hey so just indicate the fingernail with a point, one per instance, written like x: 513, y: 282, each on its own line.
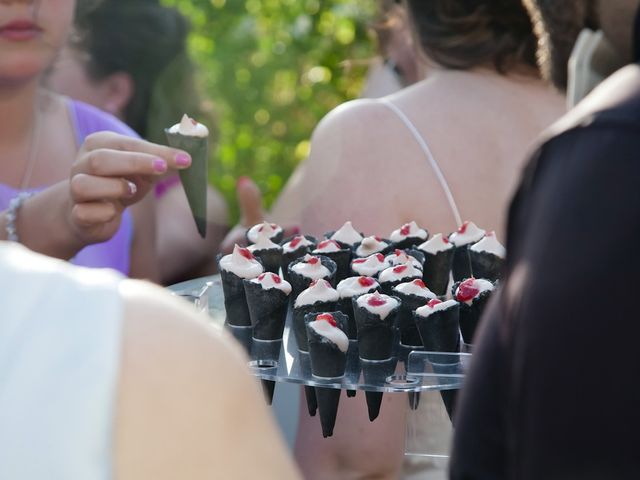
x: 242, y: 180
x: 183, y: 160
x: 159, y: 165
x: 133, y: 188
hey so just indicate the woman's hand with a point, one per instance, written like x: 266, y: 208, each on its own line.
x: 112, y: 172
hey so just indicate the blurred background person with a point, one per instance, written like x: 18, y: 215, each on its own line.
x: 140, y: 73
x: 531, y: 408
x: 448, y: 148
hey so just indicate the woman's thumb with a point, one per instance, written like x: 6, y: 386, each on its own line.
x: 249, y: 201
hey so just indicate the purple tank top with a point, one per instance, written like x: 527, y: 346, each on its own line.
x: 114, y: 253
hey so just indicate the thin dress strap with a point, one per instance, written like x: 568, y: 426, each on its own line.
x: 427, y: 152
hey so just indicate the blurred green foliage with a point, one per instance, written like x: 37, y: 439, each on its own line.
x: 270, y: 70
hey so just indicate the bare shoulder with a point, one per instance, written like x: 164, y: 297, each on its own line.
x: 186, y: 401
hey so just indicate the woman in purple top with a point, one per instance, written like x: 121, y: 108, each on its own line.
x: 85, y: 181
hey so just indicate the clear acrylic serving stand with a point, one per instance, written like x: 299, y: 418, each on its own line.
x: 429, y: 379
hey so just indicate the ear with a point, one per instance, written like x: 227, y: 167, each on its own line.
x: 119, y: 90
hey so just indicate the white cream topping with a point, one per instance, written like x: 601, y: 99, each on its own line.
x: 270, y: 281
x: 369, y: 266
x: 313, y: 270
x: 409, y: 230
x: 467, y: 233
x: 400, y: 257
x: 350, y: 287
x: 427, y: 310
x: 263, y: 243
x: 399, y: 272
x: 347, y: 234
x: 327, y: 246
x: 383, y: 310
x: 238, y: 263
x: 265, y: 229
x: 370, y: 245
x: 319, y: 291
x: 190, y: 128
x: 299, y: 242
x: 479, y: 284
x: 490, y: 244
x: 436, y: 244
x: 415, y: 287
x: 334, y: 334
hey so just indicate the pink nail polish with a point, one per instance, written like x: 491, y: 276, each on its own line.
x: 183, y: 160
x: 159, y: 165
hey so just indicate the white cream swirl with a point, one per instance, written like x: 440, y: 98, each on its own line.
x: 269, y: 281
x: 327, y: 246
x: 263, y: 243
x: 242, y: 263
x: 370, y: 266
x: 352, y: 286
x: 319, y: 291
x: 378, y: 304
x: 190, y: 128
x: 436, y: 244
x: 430, y: 308
x: 416, y: 288
x: 400, y: 257
x: 347, y: 235
x: 399, y: 272
x: 295, y: 243
x: 466, y: 234
x: 331, y: 333
x: 408, y: 230
x: 265, y: 229
x: 311, y: 267
x: 370, y: 245
x: 490, y: 244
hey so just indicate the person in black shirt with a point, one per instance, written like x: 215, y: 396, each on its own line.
x: 553, y: 390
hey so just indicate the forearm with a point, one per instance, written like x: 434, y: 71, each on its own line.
x: 42, y: 225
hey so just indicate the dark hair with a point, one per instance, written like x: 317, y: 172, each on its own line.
x: 463, y: 34
x: 557, y: 26
x: 147, y: 41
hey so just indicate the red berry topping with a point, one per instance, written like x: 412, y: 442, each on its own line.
x: 276, y: 278
x: 261, y: 228
x: 194, y: 122
x: 463, y: 228
x: 419, y: 283
x: 399, y: 269
x: 366, y: 281
x: 467, y: 290
x: 433, y: 302
x: 377, y: 238
x: 246, y: 253
x: 274, y: 226
x: 405, y: 230
x: 313, y: 261
x: 398, y: 253
x: 490, y: 234
x: 327, y: 317
x: 296, y: 241
x: 445, y: 239
x: 376, y: 300
x: 360, y: 260
x: 380, y: 257
x: 261, y: 276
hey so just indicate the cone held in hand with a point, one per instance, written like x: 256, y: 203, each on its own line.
x: 193, y: 137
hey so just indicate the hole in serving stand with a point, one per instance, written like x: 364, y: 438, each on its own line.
x: 402, y: 381
x: 263, y: 364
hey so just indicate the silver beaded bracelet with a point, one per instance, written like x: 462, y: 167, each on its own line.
x: 12, y: 215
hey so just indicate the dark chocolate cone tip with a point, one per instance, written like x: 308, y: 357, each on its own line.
x: 374, y: 401
x: 312, y: 401
x: 414, y: 400
x: 268, y: 387
x: 351, y: 393
x: 201, y: 224
x: 328, y: 402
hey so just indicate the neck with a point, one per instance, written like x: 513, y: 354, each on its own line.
x: 17, y: 108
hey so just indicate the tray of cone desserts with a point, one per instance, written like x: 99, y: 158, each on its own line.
x: 356, y: 312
